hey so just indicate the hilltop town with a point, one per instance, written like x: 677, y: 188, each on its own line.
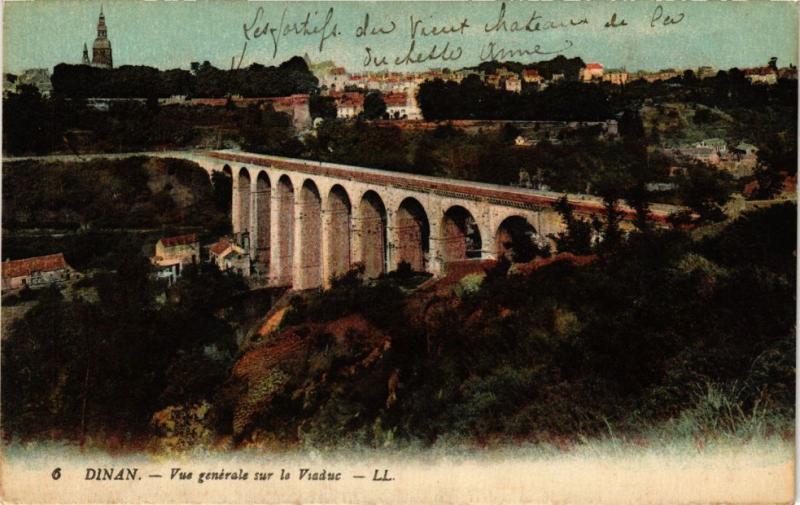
x: 309, y: 255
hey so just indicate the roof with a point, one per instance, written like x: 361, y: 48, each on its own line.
x: 219, y: 247
x: 351, y: 99
x: 23, y: 267
x: 594, y: 66
x: 187, y: 239
x: 395, y: 100
x: 759, y: 71
x: 714, y: 140
x: 697, y: 151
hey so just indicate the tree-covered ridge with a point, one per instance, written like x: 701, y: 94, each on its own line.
x: 572, y: 100
x: 127, y: 81
x: 568, y: 67
x: 93, y: 211
x: 136, y: 192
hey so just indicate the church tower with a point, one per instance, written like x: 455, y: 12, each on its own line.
x: 85, y: 60
x: 101, y: 49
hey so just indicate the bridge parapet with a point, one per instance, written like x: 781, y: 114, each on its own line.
x: 496, y: 194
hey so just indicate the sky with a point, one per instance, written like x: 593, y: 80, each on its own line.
x: 172, y: 34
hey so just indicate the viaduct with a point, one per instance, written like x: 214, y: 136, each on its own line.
x: 305, y: 222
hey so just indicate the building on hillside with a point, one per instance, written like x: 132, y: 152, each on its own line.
x: 616, y: 77
x: 703, y: 154
x: 173, y: 254
x: 513, y: 84
x: 719, y: 145
x: 335, y: 78
x: 525, y: 141
x: 296, y: 106
x: 740, y: 160
x: 531, y: 76
x: 348, y: 104
x: 36, y: 272
x: 229, y: 256
x: 319, y: 68
x: 661, y: 75
x: 39, y: 78
x: 706, y: 72
x: 592, y: 72
x: 745, y: 149
x: 761, y: 75
x: 101, y: 49
x: 401, y: 106
x: 789, y: 72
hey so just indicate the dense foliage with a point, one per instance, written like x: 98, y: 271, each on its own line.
x: 290, y: 77
x: 625, y: 342
x: 136, y: 192
x: 37, y: 125
x: 92, y: 211
x: 640, y: 337
x: 571, y: 100
x: 473, y: 99
x: 102, y: 367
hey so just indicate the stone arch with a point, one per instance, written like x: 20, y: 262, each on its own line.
x: 285, y: 231
x: 242, y: 202
x: 339, y: 211
x: 261, y: 202
x: 310, y: 243
x: 226, y: 169
x: 516, y: 239
x: 412, y: 234
x: 372, y: 233
x: 461, y: 236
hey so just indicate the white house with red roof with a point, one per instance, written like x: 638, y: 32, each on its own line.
x: 173, y: 254
x: 761, y: 75
x: 36, y: 272
x: 348, y: 104
x: 591, y: 72
x: 229, y: 256
x: 401, y: 105
x: 531, y: 75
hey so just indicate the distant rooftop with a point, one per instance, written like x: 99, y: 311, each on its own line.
x: 27, y: 266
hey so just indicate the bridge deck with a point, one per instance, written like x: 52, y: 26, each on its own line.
x: 506, y: 195
x: 496, y: 193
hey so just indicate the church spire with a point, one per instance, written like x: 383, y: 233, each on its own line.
x: 101, y: 49
x: 85, y: 54
x: 102, y: 32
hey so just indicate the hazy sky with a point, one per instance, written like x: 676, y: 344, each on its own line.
x: 43, y: 33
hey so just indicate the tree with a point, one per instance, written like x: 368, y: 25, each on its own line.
x: 322, y: 106
x: 374, y: 106
x: 706, y: 191
x: 777, y: 159
x: 577, y: 238
x: 30, y: 125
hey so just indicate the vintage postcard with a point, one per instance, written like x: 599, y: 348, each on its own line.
x: 399, y: 252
